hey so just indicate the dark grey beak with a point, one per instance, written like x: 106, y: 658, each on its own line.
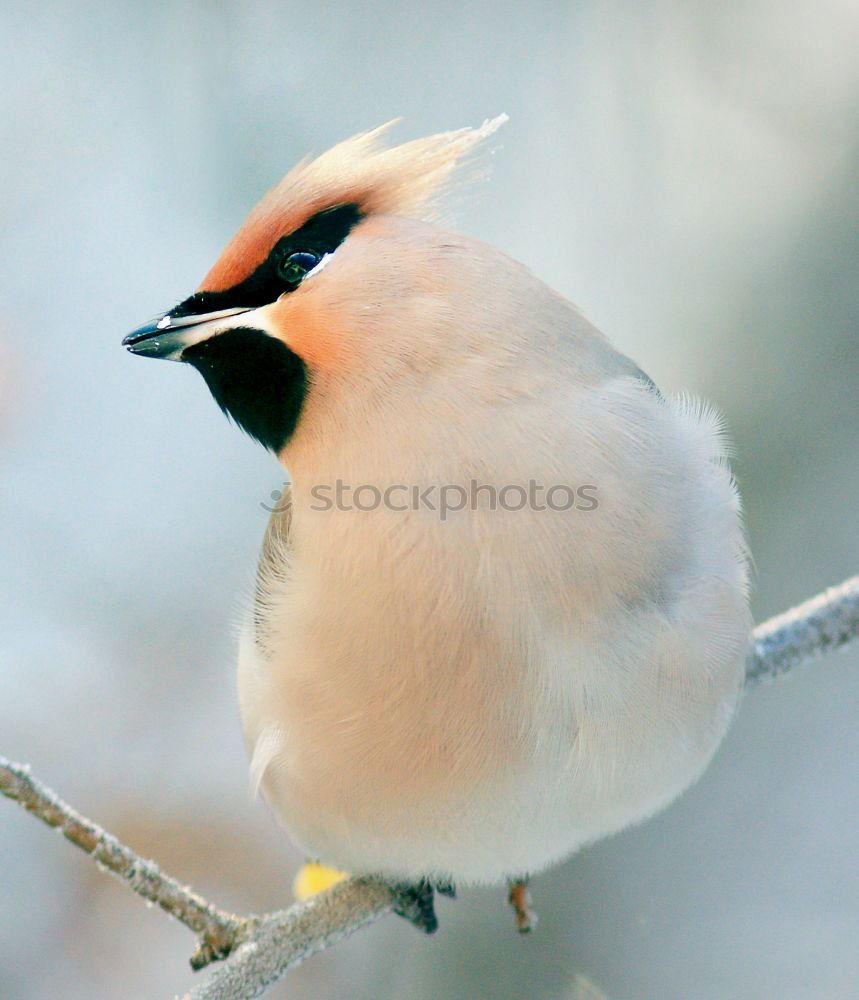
x: 168, y: 336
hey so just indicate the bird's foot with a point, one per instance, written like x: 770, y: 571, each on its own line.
x: 446, y: 889
x: 520, y: 899
x: 414, y: 901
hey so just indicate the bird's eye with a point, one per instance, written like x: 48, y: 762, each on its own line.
x: 294, y: 267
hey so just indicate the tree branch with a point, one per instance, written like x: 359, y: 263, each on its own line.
x: 284, y: 939
x: 259, y: 950
x: 828, y: 621
x: 218, y: 931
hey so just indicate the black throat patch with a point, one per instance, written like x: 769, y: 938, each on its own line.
x: 255, y: 378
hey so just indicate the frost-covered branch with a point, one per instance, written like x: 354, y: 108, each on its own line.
x: 812, y: 628
x: 259, y: 950
x: 284, y: 939
x: 218, y: 932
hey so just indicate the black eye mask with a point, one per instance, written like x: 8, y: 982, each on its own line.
x: 255, y: 378
x: 287, y: 263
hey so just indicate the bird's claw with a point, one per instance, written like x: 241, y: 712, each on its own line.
x: 446, y: 889
x: 414, y: 901
x: 520, y: 899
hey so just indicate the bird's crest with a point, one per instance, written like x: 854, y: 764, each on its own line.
x: 398, y: 180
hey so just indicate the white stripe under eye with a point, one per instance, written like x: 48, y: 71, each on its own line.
x: 323, y: 263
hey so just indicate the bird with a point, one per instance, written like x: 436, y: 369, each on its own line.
x: 502, y: 607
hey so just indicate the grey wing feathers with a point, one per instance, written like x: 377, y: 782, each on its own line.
x: 276, y: 539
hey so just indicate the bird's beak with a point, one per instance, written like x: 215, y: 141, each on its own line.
x: 168, y: 336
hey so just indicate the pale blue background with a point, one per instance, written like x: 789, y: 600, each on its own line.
x: 686, y: 172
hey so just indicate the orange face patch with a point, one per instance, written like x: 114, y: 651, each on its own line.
x: 310, y: 331
x: 402, y: 180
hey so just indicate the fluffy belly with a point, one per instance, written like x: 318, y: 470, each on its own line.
x: 458, y: 778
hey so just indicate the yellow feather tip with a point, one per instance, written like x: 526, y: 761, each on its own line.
x: 313, y: 878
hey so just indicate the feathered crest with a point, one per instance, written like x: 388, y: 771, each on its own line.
x: 399, y: 180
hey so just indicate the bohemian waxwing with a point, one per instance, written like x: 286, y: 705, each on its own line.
x: 468, y: 689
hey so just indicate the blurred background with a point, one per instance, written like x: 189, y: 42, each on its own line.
x: 686, y: 172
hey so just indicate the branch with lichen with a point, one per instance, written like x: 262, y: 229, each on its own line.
x: 258, y: 950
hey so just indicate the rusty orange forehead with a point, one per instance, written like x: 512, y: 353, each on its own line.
x: 398, y: 180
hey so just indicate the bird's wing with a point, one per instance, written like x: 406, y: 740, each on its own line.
x: 274, y: 545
